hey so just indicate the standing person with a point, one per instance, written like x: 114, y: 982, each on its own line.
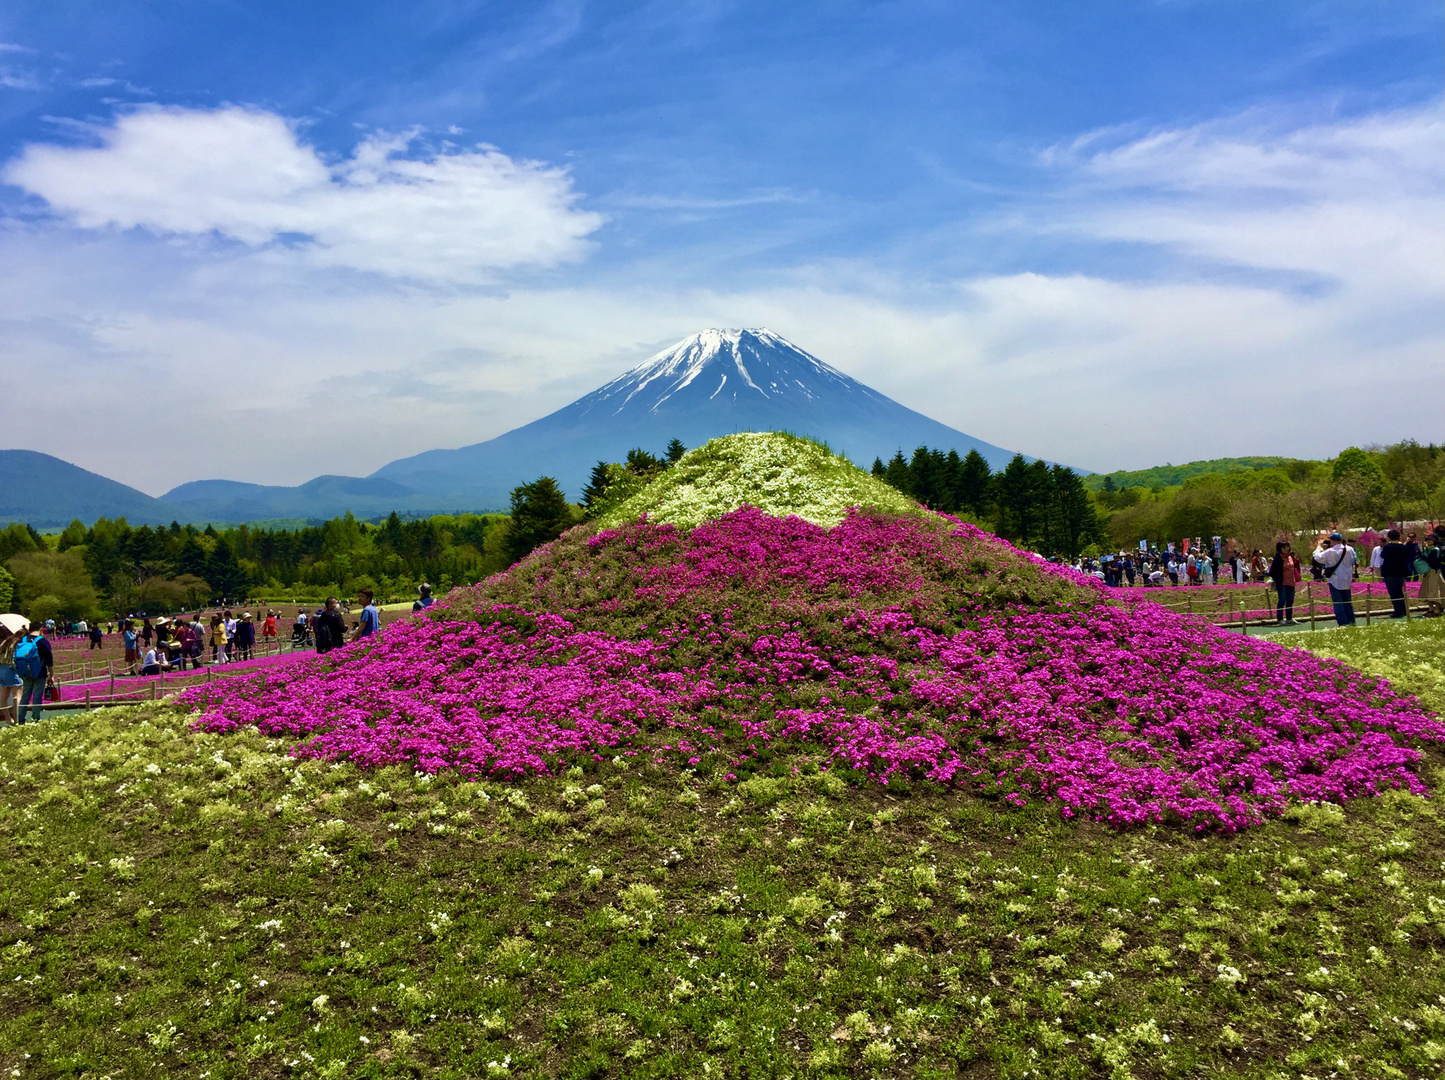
x: 1432, y: 582
x: 146, y: 632
x: 1171, y: 567
x: 329, y: 628
x: 1412, y: 552
x: 245, y: 636
x: 1395, y: 567
x: 1377, y: 554
x: 10, y: 681
x: 1337, y: 559
x: 34, y: 661
x: 218, y: 639
x: 370, y: 623
x: 268, y: 628
x: 132, y: 653
x: 198, y: 640
x: 178, y: 650
x: 230, y: 624
x: 97, y: 639
x: 425, y: 600
x: 1285, y: 572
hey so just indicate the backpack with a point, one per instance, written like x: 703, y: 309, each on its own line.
x: 323, y: 636
x: 1430, y: 556
x: 27, y: 659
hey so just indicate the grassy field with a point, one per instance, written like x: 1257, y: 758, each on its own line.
x: 198, y: 905
x: 178, y: 902
x: 1411, y: 654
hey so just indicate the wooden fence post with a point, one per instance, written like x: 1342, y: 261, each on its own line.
x: 1311, y: 590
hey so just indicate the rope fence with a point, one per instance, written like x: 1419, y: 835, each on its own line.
x: 1257, y: 604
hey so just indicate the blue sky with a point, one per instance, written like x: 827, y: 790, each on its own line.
x: 1109, y: 234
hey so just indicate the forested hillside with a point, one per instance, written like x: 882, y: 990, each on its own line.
x: 110, y: 566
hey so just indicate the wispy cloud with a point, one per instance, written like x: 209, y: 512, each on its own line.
x: 691, y: 202
x: 244, y: 174
x: 1356, y: 199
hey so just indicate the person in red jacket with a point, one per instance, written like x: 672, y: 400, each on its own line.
x: 1285, y: 572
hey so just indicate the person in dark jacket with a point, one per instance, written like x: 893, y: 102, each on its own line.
x: 245, y: 636
x: 32, y: 691
x: 1395, y: 567
x: 1285, y: 572
x: 330, y: 627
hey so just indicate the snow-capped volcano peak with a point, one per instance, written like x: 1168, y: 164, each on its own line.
x: 716, y: 382
x: 718, y: 363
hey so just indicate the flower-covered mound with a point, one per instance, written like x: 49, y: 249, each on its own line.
x: 892, y: 648
x: 778, y: 473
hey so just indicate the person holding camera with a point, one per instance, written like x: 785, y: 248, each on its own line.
x: 1337, y: 559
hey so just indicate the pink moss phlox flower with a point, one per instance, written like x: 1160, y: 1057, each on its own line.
x: 891, y: 648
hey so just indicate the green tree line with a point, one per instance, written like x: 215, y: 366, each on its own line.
x: 1043, y: 507
x: 1360, y: 488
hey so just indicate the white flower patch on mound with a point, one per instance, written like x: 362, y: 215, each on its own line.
x: 779, y: 474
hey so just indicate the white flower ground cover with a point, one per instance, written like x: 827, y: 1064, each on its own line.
x: 779, y: 474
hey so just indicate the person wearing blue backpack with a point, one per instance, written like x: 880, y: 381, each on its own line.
x: 34, y: 662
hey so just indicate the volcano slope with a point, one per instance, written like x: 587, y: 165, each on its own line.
x: 873, y: 795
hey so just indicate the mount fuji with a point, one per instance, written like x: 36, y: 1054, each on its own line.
x: 713, y: 383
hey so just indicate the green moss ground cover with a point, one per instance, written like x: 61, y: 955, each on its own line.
x: 202, y: 905
x: 188, y: 903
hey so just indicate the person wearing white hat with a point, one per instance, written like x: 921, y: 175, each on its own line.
x: 1338, y: 560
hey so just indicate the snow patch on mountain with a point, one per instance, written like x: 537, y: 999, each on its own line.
x: 763, y: 362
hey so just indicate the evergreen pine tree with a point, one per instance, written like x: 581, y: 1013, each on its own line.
x: 596, y: 488
x: 193, y: 559
x: 878, y: 468
x: 641, y: 463
x: 951, y: 480
x: 223, y: 572
x: 973, y: 483
x: 1024, y: 492
x: 539, y: 514
x: 1074, y: 522
x: 897, y: 473
x: 923, y: 477
x: 675, y: 450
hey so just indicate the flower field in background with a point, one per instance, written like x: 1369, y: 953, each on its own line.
x: 891, y: 648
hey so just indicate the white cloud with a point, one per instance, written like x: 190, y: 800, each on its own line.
x: 243, y: 173
x: 263, y: 370
x: 1357, y: 200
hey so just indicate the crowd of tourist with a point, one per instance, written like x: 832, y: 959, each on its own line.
x: 1393, y: 557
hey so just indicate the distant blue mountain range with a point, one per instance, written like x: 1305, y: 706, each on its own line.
x: 713, y: 383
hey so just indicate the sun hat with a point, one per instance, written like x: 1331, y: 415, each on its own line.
x: 1336, y: 536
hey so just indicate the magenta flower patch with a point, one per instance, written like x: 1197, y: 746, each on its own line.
x: 884, y: 647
